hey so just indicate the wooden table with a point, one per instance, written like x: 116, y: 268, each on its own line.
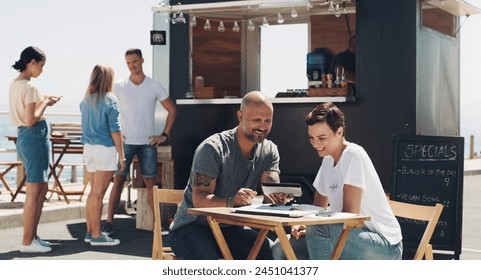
x: 223, y: 215
x: 62, y: 146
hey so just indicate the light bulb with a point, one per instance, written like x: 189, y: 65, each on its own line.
x: 236, y: 27
x: 280, y: 19
x: 250, y: 26
x: 181, y: 18
x: 293, y: 13
x: 221, y: 27
x: 193, y: 21
x: 207, y: 25
x: 174, y: 18
x: 338, y: 10
x: 265, y: 23
x: 331, y: 7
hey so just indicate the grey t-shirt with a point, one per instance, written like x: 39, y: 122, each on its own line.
x: 220, y: 157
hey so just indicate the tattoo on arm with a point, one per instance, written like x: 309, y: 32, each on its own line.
x: 202, y: 180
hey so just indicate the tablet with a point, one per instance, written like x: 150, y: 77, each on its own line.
x: 287, y: 188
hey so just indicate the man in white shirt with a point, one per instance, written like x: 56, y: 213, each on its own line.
x: 138, y: 97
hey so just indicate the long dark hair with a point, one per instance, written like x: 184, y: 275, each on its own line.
x: 26, y: 56
x: 328, y: 113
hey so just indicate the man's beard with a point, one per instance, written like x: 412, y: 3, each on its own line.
x: 253, y: 136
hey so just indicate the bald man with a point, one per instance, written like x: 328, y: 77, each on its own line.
x: 227, y: 170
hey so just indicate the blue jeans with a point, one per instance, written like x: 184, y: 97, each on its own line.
x: 362, y: 244
x: 298, y: 245
x: 196, y: 242
x: 33, y: 151
x: 319, y: 242
x: 147, y: 156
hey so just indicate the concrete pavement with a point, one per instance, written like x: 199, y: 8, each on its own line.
x: 64, y: 226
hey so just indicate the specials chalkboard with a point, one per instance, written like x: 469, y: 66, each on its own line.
x: 429, y: 170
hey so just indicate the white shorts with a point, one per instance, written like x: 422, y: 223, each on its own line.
x: 100, y: 158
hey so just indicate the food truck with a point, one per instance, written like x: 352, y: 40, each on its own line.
x: 407, y: 66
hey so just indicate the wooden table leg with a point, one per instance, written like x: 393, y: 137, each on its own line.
x: 19, y: 187
x: 336, y: 253
x: 286, y: 245
x: 257, y: 244
x: 58, y: 184
x: 219, y: 237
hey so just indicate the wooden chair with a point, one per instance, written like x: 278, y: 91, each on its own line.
x: 159, y: 252
x: 10, y: 165
x: 429, y: 214
x: 73, y: 133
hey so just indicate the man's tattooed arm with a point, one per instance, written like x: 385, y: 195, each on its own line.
x: 203, y: 188
x: 201, y: 180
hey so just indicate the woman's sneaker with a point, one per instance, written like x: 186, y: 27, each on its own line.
x: 34, y: 247
x: 88, y: 237
x: 42, y: 242
x: 107, y: 229
x: 104, y: 240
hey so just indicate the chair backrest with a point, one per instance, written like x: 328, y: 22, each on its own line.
x: 159, y: 252
x: 429, y: 214
x: 72, y: 131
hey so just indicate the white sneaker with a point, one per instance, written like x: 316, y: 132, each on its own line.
x: 34, y: 247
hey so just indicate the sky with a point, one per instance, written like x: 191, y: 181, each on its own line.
x: 77, y: 35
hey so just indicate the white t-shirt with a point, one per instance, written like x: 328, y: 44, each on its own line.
x: 137, y: 108
x: 355, y: 168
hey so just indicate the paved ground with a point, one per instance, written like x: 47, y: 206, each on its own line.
x: 64, y: 226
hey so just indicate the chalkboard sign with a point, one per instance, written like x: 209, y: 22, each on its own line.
x: 429, y: 170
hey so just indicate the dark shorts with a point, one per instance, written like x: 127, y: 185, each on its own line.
x: 147, y: 156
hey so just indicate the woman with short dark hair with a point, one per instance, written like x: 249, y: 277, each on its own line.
x: 346, y: 182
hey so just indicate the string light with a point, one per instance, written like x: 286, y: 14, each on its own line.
x: 178, y: 16
x: 181, y: 18
x: 293, y: 13
x: 236, y: 28
x: 207, y: 25
x: 265, y: 23
x: 221, y: 27
x: 331, y: 7
x: 280, y: 19
x: 174, y: 18
x: 251, y: 26
x: 337, y: 11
